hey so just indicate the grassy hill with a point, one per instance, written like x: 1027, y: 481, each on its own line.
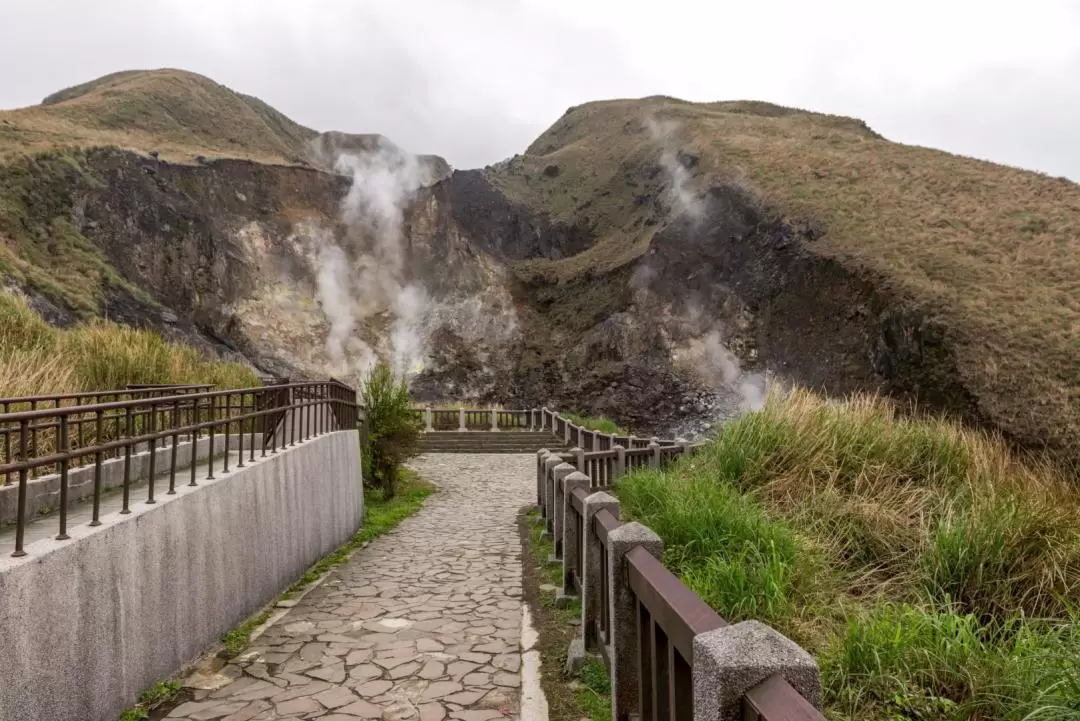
x: 180, y: 114
x: 990, y: 252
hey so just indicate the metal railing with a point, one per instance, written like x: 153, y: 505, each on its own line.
x: 59, y: 439
x: 82, y: 423
x: 636, y: 614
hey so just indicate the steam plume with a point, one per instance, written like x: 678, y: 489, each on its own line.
x: 683, y: 195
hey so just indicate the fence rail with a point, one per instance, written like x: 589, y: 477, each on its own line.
x: 670, y: 655
x: 58, y: 440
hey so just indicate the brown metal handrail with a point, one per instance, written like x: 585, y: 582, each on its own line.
x: 133, y: 390
x: 774, y: 699
x: 669, y: 615
x: 279, y: 413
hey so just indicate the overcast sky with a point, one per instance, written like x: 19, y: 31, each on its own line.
x: 477, y: 80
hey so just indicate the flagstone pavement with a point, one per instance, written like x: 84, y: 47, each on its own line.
x: 424, y: 623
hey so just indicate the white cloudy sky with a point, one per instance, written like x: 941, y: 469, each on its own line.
x: 476, y: 80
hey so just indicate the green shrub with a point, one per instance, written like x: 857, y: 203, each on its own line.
x: 393, y: 427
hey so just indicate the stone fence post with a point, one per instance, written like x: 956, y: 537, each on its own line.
x: 558, y: 473
x: 620, y: 462
x: 461, y: 419
x: 571, y: 540
x: 622, y: 614
x: 591, y: 564
x: 428, y: 426
x: 730, y: 661
x: 654, y: 458
x: 579, y: 458
x: 566, y: 431
x: 494, y: 420
x: 540, y: 456
x: 550, y: 462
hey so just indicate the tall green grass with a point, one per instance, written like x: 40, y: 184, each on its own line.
x: 38, y: 359
x: 933, y: 572
x: 596, y: 423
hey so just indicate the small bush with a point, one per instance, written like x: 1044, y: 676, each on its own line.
x: 393, y: 427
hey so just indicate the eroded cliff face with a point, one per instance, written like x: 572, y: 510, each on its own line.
x: 231, y: 255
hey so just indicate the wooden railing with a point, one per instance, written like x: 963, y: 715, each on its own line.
x: 671, y: 656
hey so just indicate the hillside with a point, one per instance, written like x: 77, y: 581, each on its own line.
x: 975, y: 267
x: 651, y: 258
x: 180, y: 115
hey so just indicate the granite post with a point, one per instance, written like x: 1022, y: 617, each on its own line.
x: 622, y: 615
x: 591, y: 565
x: 558, y: 473
x: 549, y: 493
x: 730, y: 661
x: 571, y: 536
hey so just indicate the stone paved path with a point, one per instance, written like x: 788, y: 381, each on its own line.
x: 425, y: 623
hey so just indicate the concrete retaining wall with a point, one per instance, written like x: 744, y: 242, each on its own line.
x: 87, y: 624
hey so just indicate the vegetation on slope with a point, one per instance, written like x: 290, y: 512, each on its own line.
x: 934, y: 574
x: 179, y: 114
x: 38, y: 359
x: 596, y: 423
x: 40, y: 247
x: 990, y: 252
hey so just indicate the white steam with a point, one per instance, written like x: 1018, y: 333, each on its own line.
x: 352, y: 293
x: 334, y: 288
x: 684, y: 196
x: 720, y: 368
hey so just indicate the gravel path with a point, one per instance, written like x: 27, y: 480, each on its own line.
x: 425, y: 623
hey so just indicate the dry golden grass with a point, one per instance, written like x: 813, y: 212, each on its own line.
x: 180, y: 114
x: 37, y: 359
x: 991, y: 251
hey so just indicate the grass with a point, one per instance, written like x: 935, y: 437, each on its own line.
x: 932, y: 572
x: 990, y: 253
x: 596, y: 423
x: 156, y: 696
x: 180, y: 114
x: 39, y: 359
x: 585, y: 694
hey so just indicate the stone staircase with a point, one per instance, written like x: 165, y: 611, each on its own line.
x: 488, y: 442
